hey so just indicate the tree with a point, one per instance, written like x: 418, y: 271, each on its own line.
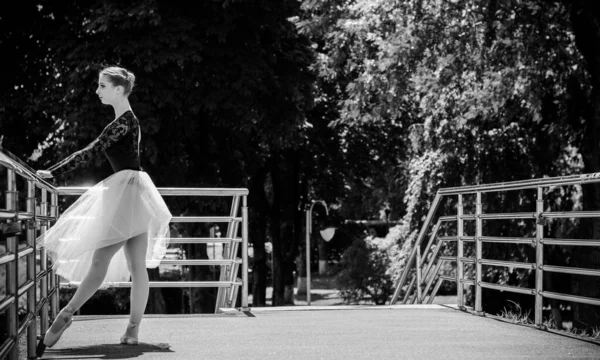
x: 221, y: 92
x: 477, y: 87
x: 585, y: 21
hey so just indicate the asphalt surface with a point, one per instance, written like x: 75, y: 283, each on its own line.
x: 332, y: 332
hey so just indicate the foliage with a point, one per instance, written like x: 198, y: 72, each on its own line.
x: 482, y: 91
x: 363, y: 273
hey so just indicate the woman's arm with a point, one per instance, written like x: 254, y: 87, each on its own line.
x: 112, y: 133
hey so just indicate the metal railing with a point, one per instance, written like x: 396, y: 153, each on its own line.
x: 228, y: 283
x: 420, y: 264
x: 43, y: 304
x: 14, y: 223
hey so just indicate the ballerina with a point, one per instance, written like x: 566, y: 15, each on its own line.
x: 122, y: 221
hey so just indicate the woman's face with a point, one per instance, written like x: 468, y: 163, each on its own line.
x: 106, y: 91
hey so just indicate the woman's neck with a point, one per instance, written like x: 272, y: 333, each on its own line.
x: 121, y: 108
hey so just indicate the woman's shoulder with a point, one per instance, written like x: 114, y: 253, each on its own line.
x: 126, y: 120
x: 128, y: 117
x: 128, y: 114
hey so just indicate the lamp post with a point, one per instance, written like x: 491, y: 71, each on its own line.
x: 326, y: 234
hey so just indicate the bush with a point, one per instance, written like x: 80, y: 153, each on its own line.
x: 363, y: 275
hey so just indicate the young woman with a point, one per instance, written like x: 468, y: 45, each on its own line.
x: 122, y: 221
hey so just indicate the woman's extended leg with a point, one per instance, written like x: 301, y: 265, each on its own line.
x: 87, y: 288
x: 95, y: 275
x: 135, y: 253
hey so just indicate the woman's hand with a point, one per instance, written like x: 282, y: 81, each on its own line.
x: 44, y: 174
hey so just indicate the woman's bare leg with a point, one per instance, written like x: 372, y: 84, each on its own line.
x: 87, y: 288
x: 95, y: 275
x: 135, y: 252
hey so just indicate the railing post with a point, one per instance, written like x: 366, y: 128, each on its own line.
x: 459, y: 253
x: 245, y: 254
x: 31, y: 273
x: 12, y: 275
x: 307, y: 240
x: 44, y: 267
x: 54, y: 281
x: 478, y: 253
x: 539, y: 257
x: 418, y: 264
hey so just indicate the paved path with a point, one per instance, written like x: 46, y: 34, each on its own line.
x: 333, y: 332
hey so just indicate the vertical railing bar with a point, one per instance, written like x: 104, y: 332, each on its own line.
x: 12, y: 275
x: 478, y: 253
x: 31, y: 274
x: 245, y: 254
x: 418, y: 265
x: 307, y: 232
x: 539, y: 257
x: 54, y: 281
x: 44, y: 266
x: 460, y: 253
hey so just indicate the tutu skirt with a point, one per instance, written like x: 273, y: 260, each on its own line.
x: 122, y: 206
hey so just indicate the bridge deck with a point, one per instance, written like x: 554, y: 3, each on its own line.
x: 360, y: 332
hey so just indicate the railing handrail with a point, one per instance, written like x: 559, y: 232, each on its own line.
x: 9, y: 160
x: 523, y: 184
x: 168, y: 191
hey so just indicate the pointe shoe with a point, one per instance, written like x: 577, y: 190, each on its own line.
x: 60, y: 324
x: 132, y: 329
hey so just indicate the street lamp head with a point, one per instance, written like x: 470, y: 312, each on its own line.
x: 327, y: 234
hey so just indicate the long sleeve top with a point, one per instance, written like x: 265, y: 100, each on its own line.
x: 120, y: 142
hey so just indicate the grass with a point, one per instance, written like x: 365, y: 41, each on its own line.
x: 592, y: 334
x: 517, y: 316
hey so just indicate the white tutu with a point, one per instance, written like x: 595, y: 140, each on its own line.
x: 124, y: 205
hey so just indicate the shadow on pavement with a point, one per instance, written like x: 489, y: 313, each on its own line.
x: 107, y: 351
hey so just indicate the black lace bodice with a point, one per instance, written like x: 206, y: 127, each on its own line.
x: 120, y: 141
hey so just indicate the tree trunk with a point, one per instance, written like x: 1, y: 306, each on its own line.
x: 297, y: 215
x: 301, y: 273
x: 286, y: 224
x: 278, y: 297
x: 300, y: 232
x: 259, y: 207
x: 585, y: 20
